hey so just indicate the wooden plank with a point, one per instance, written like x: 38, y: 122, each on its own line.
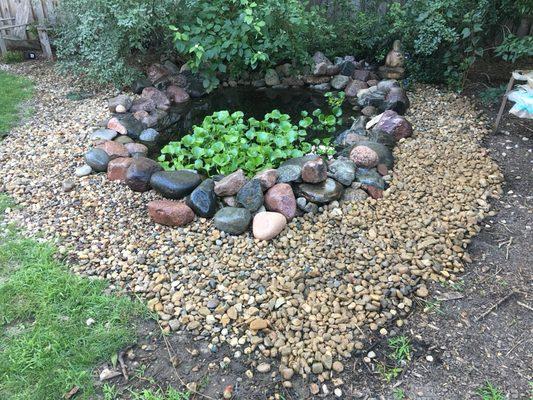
x: 22, y: 17
x: 43, y: 35
x: 3, y: 48
x: 50, y: 11
x: 502, y: 106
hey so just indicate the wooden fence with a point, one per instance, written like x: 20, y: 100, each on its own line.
x: 18, y: 17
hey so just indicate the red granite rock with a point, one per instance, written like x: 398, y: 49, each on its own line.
x: 280, y: 198
x: 170, y: 213
x: 116, y: 169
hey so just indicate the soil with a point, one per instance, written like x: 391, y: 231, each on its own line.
x: 467, y: 334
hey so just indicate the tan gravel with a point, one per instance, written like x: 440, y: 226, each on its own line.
x: 309, y: 296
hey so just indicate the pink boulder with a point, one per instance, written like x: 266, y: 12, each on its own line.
x: 354, y: 87
x: 267, y: 178
x: 280, y: 198
x: 116, y: 169
x: 231, y: 184
x: 114, y: 149
x: 364, y: 156
x: 117, y: 126
x: 171, y: 213
x: 137, y: 148
x: 267, y: 225
x: 315, y: 171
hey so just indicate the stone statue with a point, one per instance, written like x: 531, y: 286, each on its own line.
x: 395, y: 58
x: 394, y: 63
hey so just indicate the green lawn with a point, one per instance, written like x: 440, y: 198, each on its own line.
x: 47, y: 346
x: 13, y: 90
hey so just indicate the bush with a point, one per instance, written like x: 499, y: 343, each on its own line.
x: 99, y: 38
x: 513, y: 48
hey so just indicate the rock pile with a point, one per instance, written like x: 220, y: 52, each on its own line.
x: 300, y: 185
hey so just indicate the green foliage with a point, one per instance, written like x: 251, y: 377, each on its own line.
x: 15, y: 90
x: 12, y: 57
x: 46, y: 346
x: 226, y: 141
x: 224, y: 34
x: 492, y: 95
x: 97, y: 39
x: 490, y: 392
x: 513, y: 48
x: 170, y: 394
x: 401, y: 348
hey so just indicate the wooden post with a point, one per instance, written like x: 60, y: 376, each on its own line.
x: 3, y: 48
x: 41, y: 29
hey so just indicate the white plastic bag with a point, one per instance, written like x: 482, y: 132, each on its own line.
x: 522, y: 95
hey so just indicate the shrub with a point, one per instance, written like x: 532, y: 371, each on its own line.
x: 225, y: 141
x: 12, y: 57
x: 99, y: 38
x: 513, y: 48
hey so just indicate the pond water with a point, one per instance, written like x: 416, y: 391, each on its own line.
x: 252, y: 101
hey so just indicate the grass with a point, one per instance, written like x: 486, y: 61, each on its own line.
x: 12, y: 57
x: 112, y: 393
x: 399, y: 394
x: 401, y: 348
x: 46, y: 346
x: 15, y: 90
x: 490, y: 392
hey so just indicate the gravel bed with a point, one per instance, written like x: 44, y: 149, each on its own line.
x: 307, y: 298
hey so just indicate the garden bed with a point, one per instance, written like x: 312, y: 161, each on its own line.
x: 309, y: 296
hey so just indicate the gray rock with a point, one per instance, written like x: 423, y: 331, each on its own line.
x: 250, y: 196
x: 342, y: 170
x: 354, y: 194
x: 271, y: 77
x: 370, y: 177
x: 139, y: 173
x: 97, y: 159
x: 301, y: 202
x: 84, y: 170
x: 321, y: 193
x: 289, y: 173
x: 149, y: 135
x: 347, y: 68
x: 120, y: 100
x: 203, y: 199
x: 232, y: 220
x: 322, y: 87
x: 175, y: 184
x: 138, y: 86
x: 104, y: 134
x: 339, y: 82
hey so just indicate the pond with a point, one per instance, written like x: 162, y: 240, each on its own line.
x: 252, y: 101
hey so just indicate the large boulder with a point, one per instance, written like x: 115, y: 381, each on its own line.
x: 250, y: 196
x: 97, y: 159
x: 267, y: 225
x: 232, y: 220
x: 175, y: 184
x: 315, y: 171
x: 159, y: 98
x: 116, y: 169
x: 122, y: 100
x: 271, y: 77
x: 342, y: 170
x: 280, y: 198
x: 114, y: 149
x: 364, y: 156
x: 126, y: 124
x: 141, y: 104
x: 156, y: 71
x: 139, y: 173
x: 231, y: 184
x: 177, y: 95
x: 171, y: 213
x: 394, y: 124
x: 321, y: 193
x: 397, y: 100
x: 354, y: 87
x: 203, y: 199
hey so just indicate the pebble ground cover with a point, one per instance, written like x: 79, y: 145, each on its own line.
x: 309, y: 297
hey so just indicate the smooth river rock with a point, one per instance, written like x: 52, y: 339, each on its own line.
x: 321, y: 193
x: 267, y: 225
x: 175, y: 184
x: 97, y: 159
x: 250, y: 196
x: 231, y: 184
x: 203, y: 199
x: 232, y: 220
x: 139, y: 173
x: 280, y: 198
x: 171, y: 213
